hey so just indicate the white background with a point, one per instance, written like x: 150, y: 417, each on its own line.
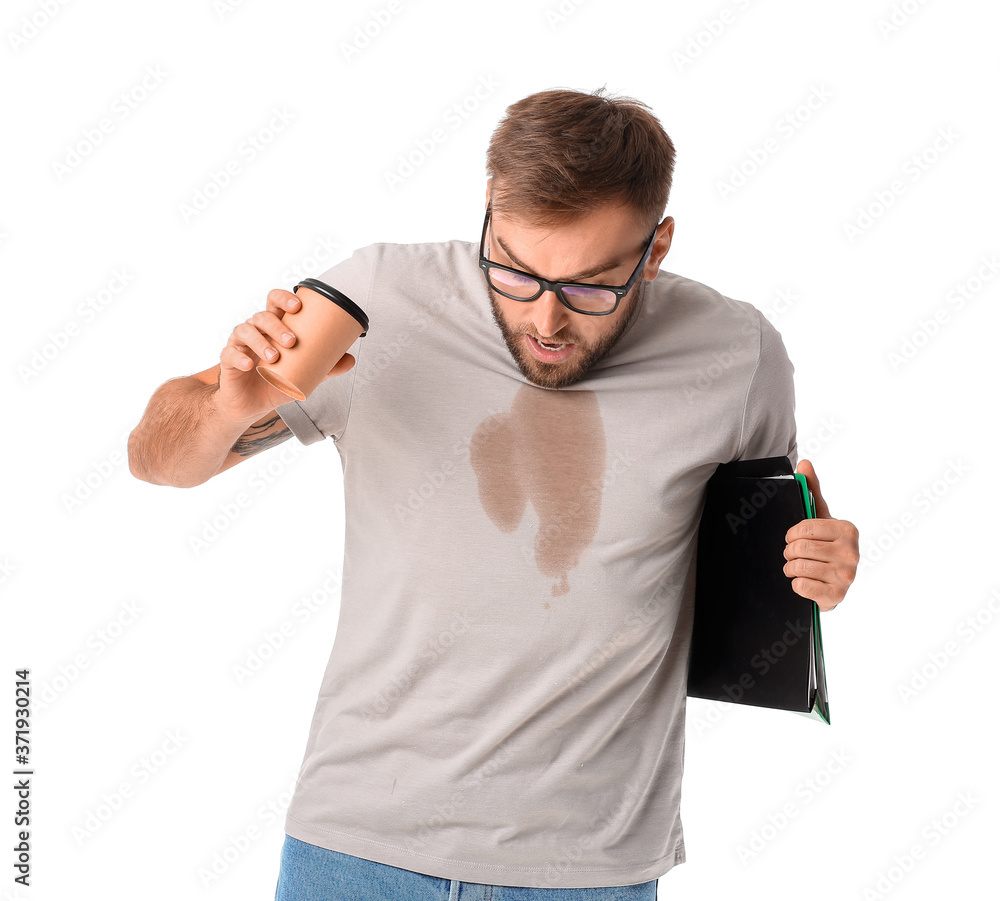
x: 132, y: 632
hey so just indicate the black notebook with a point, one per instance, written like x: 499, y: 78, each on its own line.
x: 755, y: 641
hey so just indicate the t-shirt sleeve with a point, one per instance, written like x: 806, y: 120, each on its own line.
x: 325, y: 413
x: 769, y: 411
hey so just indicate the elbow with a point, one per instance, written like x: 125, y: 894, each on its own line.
x: 140, y: 464
x: 136, y: 459
x: 143, y: 467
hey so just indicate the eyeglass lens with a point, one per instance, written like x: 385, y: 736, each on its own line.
x: 580, y: 296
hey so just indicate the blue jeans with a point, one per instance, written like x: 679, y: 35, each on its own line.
x: 310, y: 873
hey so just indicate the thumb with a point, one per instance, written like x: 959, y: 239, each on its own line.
x: 812, y: 480
x: 344, y: 364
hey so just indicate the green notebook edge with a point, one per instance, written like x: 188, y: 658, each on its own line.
x: 821, y: 706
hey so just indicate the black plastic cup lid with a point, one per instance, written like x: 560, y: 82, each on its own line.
x: 338, y: 297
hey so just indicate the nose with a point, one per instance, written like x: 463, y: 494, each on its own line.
x: 549, y: 315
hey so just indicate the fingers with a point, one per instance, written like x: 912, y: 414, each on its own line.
x: 342, y: 365
x: 825, y: 575
x: 812, y: 549
x: 262, y: 336
x: 806, y: 468
x: 838, y: 573
x: 237, y: 356
x: 822, y: 539
x: 825, y: 596
x: 280, y: 301
x: 823, y: 560
x: 836, y: 548
x: 823, y: 530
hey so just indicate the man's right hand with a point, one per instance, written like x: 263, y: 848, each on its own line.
x: 196, y: 426
x: 243, y: 395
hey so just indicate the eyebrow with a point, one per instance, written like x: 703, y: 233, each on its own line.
x: 587, y: 273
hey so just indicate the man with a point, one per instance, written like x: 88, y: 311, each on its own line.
x: 526, y: 433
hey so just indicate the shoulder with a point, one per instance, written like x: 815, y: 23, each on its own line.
x: 693, y: 297
x: 380, y: 273
x: 431, y: 255
x: 410, y: 288
x: 686, y: 308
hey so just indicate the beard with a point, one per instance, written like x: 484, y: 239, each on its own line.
x: 581, y: 361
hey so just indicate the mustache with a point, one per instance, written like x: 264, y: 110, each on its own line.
x: 563, y: 337
x: 566, y: 336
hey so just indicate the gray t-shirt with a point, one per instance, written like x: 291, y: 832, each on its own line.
x: 504, y: 702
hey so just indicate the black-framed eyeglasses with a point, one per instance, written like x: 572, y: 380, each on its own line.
x: 590, y: 300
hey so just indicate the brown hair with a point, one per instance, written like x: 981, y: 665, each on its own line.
x: 557, y: 154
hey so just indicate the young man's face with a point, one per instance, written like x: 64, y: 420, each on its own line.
x: 553, y: 345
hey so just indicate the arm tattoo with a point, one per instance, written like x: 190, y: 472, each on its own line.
x: 254, y: 440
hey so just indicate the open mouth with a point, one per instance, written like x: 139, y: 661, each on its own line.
x: 549, y: 351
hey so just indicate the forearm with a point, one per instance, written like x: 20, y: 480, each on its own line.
x: 182, y: 439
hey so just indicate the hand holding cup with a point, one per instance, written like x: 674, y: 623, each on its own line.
x: 325, y: 325
x: 243, y: 394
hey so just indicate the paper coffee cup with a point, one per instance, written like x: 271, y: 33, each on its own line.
x: 326, y: 324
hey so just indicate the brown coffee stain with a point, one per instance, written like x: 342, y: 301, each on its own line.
x: 548, y: 450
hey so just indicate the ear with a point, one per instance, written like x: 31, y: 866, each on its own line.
x: 489, y: 182
x: 664, y: 237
